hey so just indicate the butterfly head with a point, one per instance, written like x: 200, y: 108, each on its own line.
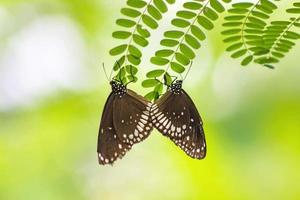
x: 176, y: 87
x: 118, y: 88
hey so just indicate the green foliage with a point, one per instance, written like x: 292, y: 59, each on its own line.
x: 180, y: 44
x: 244, y: 26
x: 139, y: 17
x: 249, y: 32
x: 250, y: 36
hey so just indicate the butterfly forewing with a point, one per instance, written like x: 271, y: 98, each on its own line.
x: 170, y: 115
x: 132, y: 118
x: 176, y: 116
x: 110, y: 147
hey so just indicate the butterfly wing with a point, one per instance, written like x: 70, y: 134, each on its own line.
x: 110, y: 147
x: 170, y: 114
x: 193, y: 139
x: 132, y: 118
x: 185, y: 131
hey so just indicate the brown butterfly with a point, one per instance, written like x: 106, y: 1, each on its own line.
x: 176, y: 116
x: 125, y: 121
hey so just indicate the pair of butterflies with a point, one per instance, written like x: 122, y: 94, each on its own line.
x: 129, y: 118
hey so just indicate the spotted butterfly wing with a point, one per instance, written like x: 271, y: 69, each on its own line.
x: 176, y: 116
x: 132, y: 118
x: 125, y: 121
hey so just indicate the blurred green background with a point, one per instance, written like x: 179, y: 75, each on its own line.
x: 52, y: 91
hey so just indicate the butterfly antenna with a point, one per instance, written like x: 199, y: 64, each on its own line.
x: 111, y: 72
x: 105, y: 72
x: 188, y: 70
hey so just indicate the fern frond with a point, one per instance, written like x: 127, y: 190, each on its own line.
x: 179, y: 44
x: 245, y: 24
x: 138, y: 18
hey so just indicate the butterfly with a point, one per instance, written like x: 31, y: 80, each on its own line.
x: 125, y: 121
x: 176, y: 116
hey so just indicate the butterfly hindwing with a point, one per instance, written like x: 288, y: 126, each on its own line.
x: 192, y: 140
x: 110, y: 147
x: 132, y: 118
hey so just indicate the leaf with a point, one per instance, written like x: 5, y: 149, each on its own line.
x: 217, y: 6
x: 121, y: 75
x: 136, y: 3
x: 149, y: 21
x: 239, y: 53
x: 242, y: 5
x: 164, y: 53
x: 129, y: 12
x: 264, y: 9
x: 125, y: 23
x: 198, y: 33
x: 192, y: 41
x: 159, y: 61
x: 177, y: 67
x: 235, y: 46
x: 160, y: 5
x: 232, y: 39
x: 257, y: 21
x: 140, y: 40
x: 132, y: 79
x: 210, y: 13
x: 182, y: 59
x: 186, y: 14
x: 187, y: 51
x: 173, y: 34
x: 155, y: 73
x: 149, y: 83
x: 260, y: 14
x: 297, y: 4
x: 192, y: 5
x: 180, y: 23
x: 247, y: 60
x: 154, y: 12
x: 118, y: 50
x: 268, y: 4
x: 159, y: 88
x: 231, y: 31
x: 293, y: 10
x: 134, y: 51
x: 143, y: 32
x: 167, y: 79
x: 232, y: 24
x: 121, y: 34
x: 169, y: 42
x: 130, y: 69
x: 171, y: 1
x: 133, y: 59
x: 269, y: 66
x: 207, y: 24
x: 119, y: 63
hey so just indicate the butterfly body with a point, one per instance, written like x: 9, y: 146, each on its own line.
x: 125, y: 121
x: 176, y: 116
